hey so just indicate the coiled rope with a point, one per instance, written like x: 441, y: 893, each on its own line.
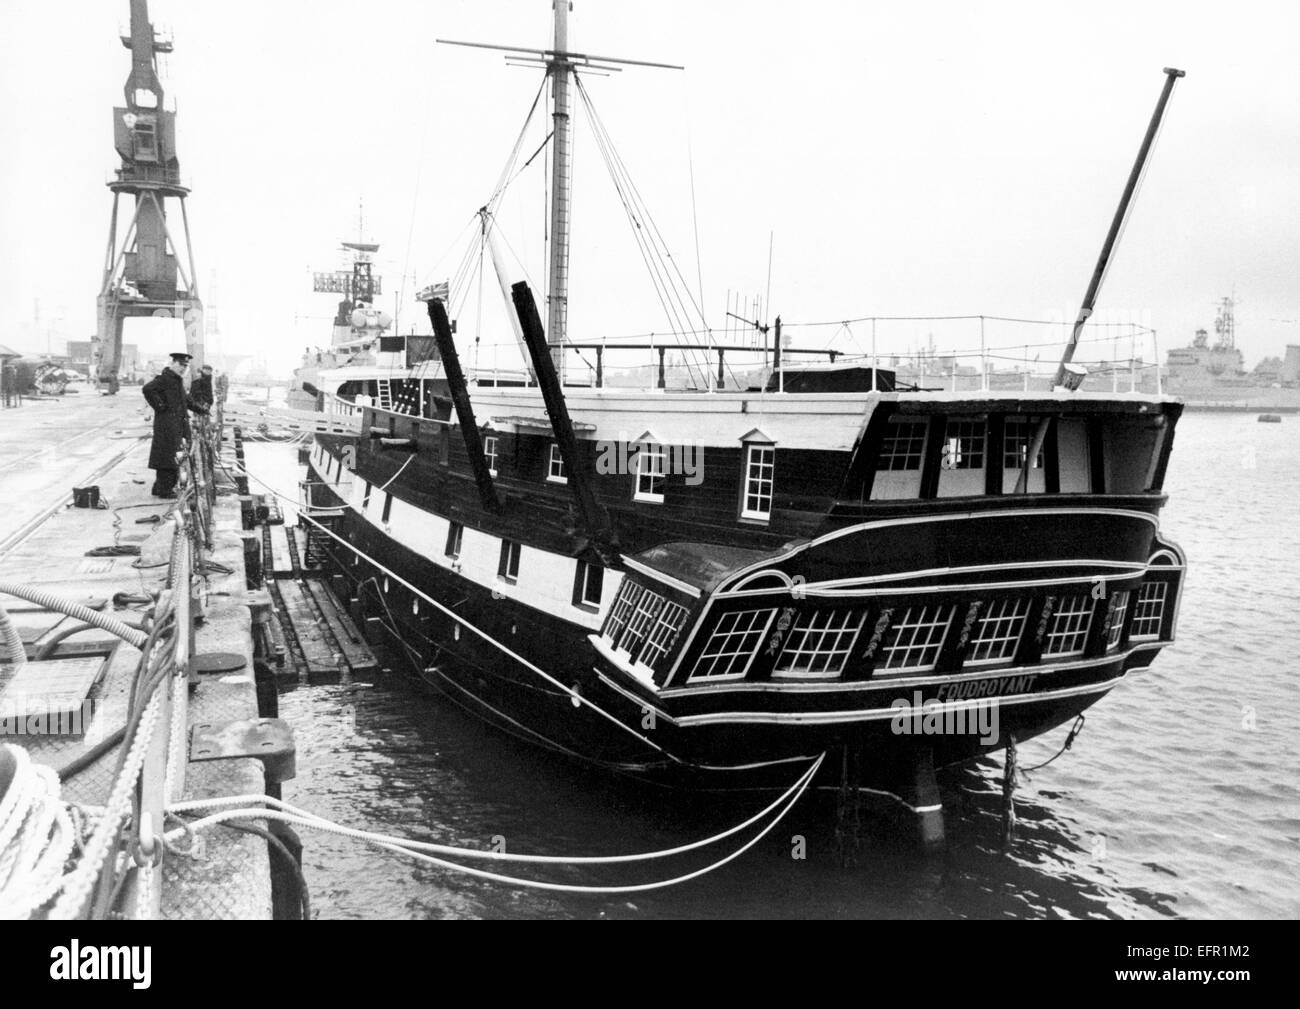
x: 36, y: 835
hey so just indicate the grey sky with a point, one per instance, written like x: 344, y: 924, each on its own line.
x: 929, y: 158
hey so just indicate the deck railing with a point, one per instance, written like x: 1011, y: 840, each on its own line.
x: 951, y: 353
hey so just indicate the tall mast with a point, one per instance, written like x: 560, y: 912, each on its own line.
x: 557, y: 300
x: 560, y: 63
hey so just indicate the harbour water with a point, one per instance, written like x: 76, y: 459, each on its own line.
x: 1181, y: 797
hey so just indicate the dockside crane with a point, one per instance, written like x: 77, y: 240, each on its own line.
x: 145, y: 275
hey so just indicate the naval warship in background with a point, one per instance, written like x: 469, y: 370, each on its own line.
x: 1214, y: 377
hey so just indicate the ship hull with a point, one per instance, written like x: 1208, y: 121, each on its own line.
x: 539, y: 677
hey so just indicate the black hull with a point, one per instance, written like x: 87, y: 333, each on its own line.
x: 531, y: 674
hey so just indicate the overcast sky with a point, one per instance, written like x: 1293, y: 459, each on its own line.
x: 908, y: 158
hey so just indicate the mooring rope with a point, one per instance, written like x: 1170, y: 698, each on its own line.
x: 418, y: 849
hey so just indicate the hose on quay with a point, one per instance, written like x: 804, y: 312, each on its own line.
x: 11, y: 642
x: 73, y: 609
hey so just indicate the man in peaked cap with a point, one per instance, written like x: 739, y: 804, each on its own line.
x: 171, y: 426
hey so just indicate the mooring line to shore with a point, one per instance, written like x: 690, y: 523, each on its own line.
x: 287, y: 813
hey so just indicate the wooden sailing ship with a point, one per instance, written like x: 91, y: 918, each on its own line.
x: 715, y: 585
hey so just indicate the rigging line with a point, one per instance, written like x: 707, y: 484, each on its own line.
x: 637, y: 235
x: 640, y: 235
x: 450, y: 246
x: 473, y: 628
x: 478, y: 308
x: 957, y: 318
x: 653, y: 232
x: 531, y: 158
x: 503, y: 180
x: 695, y: 217
x: 673, y: 290
x: 668, y: 295
x: 641, y: 218
x: 658, y: 235
x: 415, y: 197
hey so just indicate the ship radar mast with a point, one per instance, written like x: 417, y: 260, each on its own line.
x: 560, y: 63
x: 1225, y: 326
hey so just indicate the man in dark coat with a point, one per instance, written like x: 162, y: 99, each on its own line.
x: 201, y: 391
x: 171, y: 426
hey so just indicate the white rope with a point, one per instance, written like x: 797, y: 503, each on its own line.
x: 398, y: 473
x: 36, y: 837
x: 408, y: 848
x: 443, y: 849
x: 78, y: 885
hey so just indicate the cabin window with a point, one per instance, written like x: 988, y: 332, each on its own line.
x: 1070, y: 622
x: 644, y: 614
x: 643, y: 624
x: 1016, y: 439
x: 455, y: 535
x: 731, y: 647
x: 663, y: 634
x: 588, y: 585
x: 621, y: 611
x: 961, y: 463
x: 555, y: 466
x: 1018, y: 436
x: 963, y: 446
x: 508, y: 565
x: 649, y: 472
x: 365, y: 496
x: 820, y: 643
x: 760, y: 468
x: 913, y: 641
x: 901, y: 459
x: 1149, y: 612
x: 1118, y: 610
x: 999, y: 631
x: 388, y: 505
x: 903, y: 446
x: 490, y: 453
